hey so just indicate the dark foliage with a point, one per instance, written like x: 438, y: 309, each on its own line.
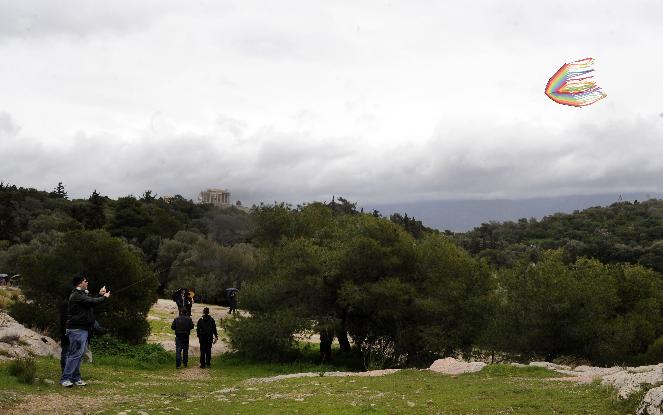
x: 622, y: 232
x: 144, y: 355
x: 47, y: 266
x: 608, y: 314
x: 348, y: 273
x: 24, y: 369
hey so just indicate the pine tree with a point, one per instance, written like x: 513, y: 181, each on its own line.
x: 95, y: 218
x: 148, y: 197
x: 59, y: 191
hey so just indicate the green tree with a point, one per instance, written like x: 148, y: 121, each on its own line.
x: 148, y: 197
x: 653, y: 256
x: 273, y: 222
x: 609, y: 314
x: 351, y: 273
x: 130, y: 220
x: 55, y: 221
x: 95, y: 216
x: 193, y: 261
x: 59, y: 191
x: 47, y: 267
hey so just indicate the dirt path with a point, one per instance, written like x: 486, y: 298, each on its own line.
x: 56, y: 404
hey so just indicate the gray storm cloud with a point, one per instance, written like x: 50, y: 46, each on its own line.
x: 296, y: 100
x: 518, y: 160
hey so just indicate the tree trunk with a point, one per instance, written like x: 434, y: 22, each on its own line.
x: 342, y: 333
x: 326, y: 338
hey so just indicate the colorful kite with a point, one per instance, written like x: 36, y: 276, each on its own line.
x: 572, y: 86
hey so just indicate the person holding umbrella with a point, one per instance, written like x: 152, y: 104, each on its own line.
x: 231, y: 293
x: 184, y: 300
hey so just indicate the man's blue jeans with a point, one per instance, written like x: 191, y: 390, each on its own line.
x: 77, y: 345
x: 181, y: 349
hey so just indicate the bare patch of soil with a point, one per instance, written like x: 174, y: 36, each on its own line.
x: 56, y: 404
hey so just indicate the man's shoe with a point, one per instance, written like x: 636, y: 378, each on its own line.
x: 185, y: 365
x: 67, y: 383
x: 80, y: 382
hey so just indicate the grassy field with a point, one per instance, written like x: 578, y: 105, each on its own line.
x: 233, y: 386
x: 230, y: 387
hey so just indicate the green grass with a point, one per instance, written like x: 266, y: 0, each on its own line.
x: 161, y: 327
x: 224, y: 389
x: 8, y: 296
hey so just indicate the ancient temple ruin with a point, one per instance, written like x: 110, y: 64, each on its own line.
x: 216, y: 197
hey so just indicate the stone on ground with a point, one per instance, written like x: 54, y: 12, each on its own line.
x: 652, y: 404
x: 451, y: 366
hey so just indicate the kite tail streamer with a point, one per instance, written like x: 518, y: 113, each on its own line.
x: 571, y: 84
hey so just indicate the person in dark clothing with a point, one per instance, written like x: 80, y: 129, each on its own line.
x: 183, y: 300
x: 182, y: 326
x: 64, y: 340
x: 80, y: 318
x: 95, y: 329
x: 206, y: 329
x: 231, y: 293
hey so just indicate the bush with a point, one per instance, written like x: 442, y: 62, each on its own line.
x: 654, y: 352
x: 47, y: 266
x: 379, y: 354
x: 23, y: 369
x: 607, y: 314
x: 36, y: 315
x: 264, y: 337
x: 147, y: 355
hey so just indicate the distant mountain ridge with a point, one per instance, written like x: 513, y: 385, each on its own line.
x: 464, y: 215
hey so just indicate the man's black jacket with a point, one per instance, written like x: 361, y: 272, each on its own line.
x: 182, y: 325
x: 206, y: 327
x: 81, y: 309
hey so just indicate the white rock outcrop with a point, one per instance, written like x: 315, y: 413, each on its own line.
x: 451, y: 366
x: 626, y: 380
x: 631, y: 379
x: 17, y: 341
x: 652, y: 404
x: 580, y: 374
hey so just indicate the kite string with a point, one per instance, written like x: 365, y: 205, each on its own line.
x: 134, y: 283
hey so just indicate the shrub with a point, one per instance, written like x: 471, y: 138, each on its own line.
x: 379, y: 354
x: 47, y: 265
x: 23, y: 369
x: 654, y: 352
x: 264, y: 337
x: 146, y: 355
x: 36, y: 315
x: 605, y: 313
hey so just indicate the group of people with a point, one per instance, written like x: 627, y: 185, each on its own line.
x: 77, y: 322
x: 184, y: 298
x: 205, y: 330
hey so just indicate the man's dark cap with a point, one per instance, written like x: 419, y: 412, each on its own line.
x: 206, y: 310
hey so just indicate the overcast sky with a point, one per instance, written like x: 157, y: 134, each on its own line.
x: 378, y: 101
